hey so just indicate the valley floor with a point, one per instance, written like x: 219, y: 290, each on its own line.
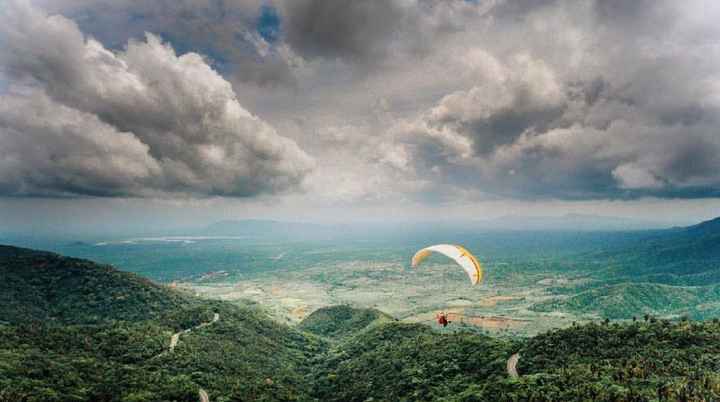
x: 501, y: 305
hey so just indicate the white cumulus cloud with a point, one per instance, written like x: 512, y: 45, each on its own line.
x: 180, y: 120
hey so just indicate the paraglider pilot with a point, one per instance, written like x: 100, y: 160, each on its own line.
x: 442, y: 319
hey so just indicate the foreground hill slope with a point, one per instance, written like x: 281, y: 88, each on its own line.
x: 642, y: 361
x: 411, y: 362
x: 656, y: 360
x: 77, y: 331
x: 337, y: 354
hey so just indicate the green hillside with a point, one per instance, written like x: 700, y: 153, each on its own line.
x: 694, y: 250
x: 395, y: 361
x: 39, y: 286
x: 78, y: 331
x: 243, y: 356
x: 66, y: 353
x: 642, y: 361
x: 627, y: 300
x: 673, y: 272
x: 341, y: 321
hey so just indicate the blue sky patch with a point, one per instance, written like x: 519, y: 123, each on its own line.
x: 268, y: 24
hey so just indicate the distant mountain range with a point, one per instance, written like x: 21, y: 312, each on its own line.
x: 270, y: 228
x: 570, y: 222
x: 669, y: 272
x: 630, y: 299
x: 682, y: 251
x: 711, y: 226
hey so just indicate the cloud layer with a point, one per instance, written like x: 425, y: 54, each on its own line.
x: 586, y: 106
x: 395, y: 100
x: 142, y: 121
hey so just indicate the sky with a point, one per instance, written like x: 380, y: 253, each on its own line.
x: 163, y: 113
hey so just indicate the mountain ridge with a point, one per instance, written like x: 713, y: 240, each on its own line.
x: 44, y: 286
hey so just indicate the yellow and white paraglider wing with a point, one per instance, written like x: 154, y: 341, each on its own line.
x: 458, y: 253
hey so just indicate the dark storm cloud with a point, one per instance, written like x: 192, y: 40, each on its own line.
x: 372, y: 32
x: 437, y: 99
x: 228, y: 32
x: 265, y: 42
x: 144, y: 121
x: 342, y: 28
x: 516, y: 106
x: 634, y: 116
x: 52, y: 150
x: 627, y: 13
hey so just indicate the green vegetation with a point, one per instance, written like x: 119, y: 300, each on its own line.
x: 46, y: 287
x: 77, y: 331
x: 669, y: 273
x: 654, y: 360
x: 640, y: 361
x: 72, y: 330
x: 341, y: 321
x: 395, y: 361
x: 241, y: 357
x: 694, y: 250
x: 627, y: 300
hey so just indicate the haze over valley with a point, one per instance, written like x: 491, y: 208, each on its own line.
x: 535, y: 280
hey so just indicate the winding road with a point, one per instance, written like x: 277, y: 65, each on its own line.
x: 176, y: 336
x: 512, y: 365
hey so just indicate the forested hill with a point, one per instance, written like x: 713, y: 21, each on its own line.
x: 670, y: 273
x: 40, y: 286
x: 73, y: 330
x: 342, y: 321
x: 698, y: 242
x: 96, y: 334
x: 711, y: 227
x: 681, y: 251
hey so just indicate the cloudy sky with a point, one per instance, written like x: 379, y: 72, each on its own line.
x: 173, y: 112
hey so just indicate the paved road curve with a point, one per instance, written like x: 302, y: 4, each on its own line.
x: 176, y: 337
x: 512, y: 365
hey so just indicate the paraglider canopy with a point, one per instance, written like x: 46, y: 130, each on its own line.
x: 458, y: 253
